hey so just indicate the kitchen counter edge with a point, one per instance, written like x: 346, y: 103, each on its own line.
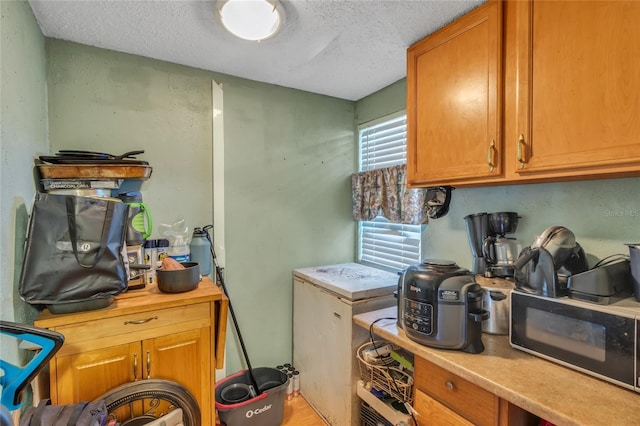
x: 548, y: 390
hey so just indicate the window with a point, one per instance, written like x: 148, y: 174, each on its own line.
x: 393, y: 246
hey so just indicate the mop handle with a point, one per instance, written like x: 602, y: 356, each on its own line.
x: 233, y: 315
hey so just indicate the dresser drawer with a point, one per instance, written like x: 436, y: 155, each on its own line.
x: 475, y: 404
x: 136, y: 324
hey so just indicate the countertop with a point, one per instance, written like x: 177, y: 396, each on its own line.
x: 352, y: 281
x: 548, y: 390
x: 129, y: 302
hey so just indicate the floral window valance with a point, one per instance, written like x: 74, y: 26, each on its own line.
x: 384, y: 192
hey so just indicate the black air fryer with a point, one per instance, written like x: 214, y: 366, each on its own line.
x: 441, y: 306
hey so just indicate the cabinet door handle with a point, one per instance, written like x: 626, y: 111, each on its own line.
x: 148, y: 365
x: 449, y: 385
x: 135, y: 367
x: 491, y: 155
x: 142, y: 321
x: 522, y: 147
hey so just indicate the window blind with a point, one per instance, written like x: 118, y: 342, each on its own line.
x: 383, y: 144
x: 392, y: 246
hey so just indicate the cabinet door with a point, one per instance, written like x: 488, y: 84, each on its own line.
x: 578, y: 84
x: 184, y: 358
x: 469, y: 401
x: 87, y: 375
x: 431, y: 412
x: 454, y: 101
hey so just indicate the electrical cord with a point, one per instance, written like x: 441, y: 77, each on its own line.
x: 387, y: 363
x: 385, y: 360
x: 610, y: 259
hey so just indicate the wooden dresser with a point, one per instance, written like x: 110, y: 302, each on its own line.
x: 143, y: 334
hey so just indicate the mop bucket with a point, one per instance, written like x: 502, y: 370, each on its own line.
x: 239, y: 405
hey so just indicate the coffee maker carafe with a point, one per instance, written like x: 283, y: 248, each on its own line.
x: 499, y: 251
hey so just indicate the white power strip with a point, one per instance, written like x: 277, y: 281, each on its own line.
x: 373, y: 355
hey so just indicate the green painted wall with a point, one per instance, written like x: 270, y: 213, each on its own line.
x: 386, y: 101
x: 105, y: 101
x: 603, y: 214
x: 288, y: 159
x: 23, y: 135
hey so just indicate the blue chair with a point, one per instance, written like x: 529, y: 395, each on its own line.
x: 15, y: 379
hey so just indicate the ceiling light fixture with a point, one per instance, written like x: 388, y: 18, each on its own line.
x: 253, y: 20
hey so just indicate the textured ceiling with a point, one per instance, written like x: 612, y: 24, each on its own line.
x: 342, y: 48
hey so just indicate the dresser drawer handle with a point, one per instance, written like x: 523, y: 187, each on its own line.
x: 449, y: 385
x: 143, y: 321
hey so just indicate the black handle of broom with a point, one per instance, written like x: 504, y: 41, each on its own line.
x: 233, y: 315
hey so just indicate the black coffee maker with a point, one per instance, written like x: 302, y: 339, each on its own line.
x: 493, y: 251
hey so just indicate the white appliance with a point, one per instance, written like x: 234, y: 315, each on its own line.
x: 325, y: 339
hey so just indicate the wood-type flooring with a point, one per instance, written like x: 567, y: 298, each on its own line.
x: 297, y: 412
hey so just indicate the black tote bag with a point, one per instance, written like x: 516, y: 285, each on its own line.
x: 75, y: 253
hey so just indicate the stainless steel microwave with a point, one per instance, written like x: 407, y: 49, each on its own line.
x: 600, y: 340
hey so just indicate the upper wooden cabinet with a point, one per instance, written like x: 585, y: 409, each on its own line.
x: 578, y: 86
x: 554, y: 83
x: 454, y: 100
